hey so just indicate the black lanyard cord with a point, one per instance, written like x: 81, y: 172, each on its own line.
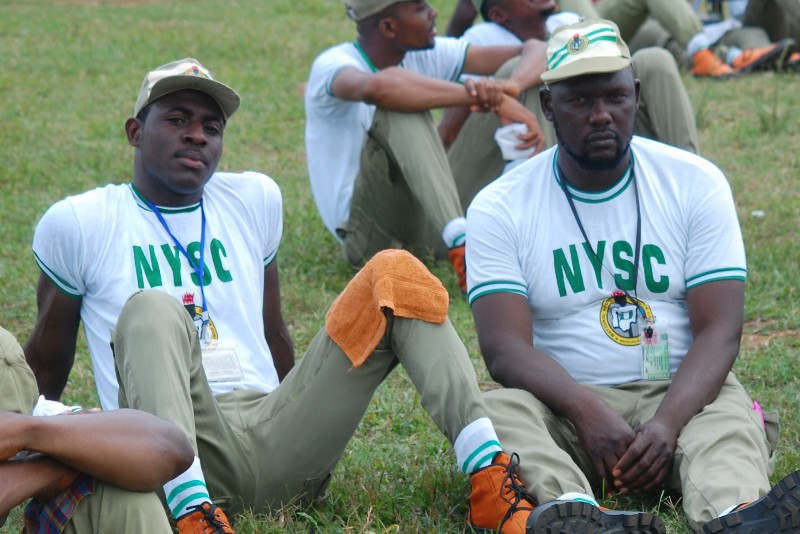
x: 561, y: 177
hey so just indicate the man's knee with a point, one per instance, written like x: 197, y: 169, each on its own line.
x: 652, y: 62
x: 149, y: 309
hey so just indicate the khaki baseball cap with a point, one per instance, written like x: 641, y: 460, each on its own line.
x: 358, y: 10
x: 18, y: 389
x: 185, y: 73
x: 591, y: 46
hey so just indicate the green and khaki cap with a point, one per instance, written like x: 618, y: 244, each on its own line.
x: 591, y: 46
x: 358, y: 10
x: 181, y: 74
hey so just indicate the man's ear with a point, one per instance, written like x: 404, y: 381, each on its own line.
x: 498, y: 16
x: 133, y: 129
x: 637, y: 86
x: 388, y: 27
x: 546, y: 101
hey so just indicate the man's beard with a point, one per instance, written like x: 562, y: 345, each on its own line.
x: 589, y: 164
x: 547, y: 12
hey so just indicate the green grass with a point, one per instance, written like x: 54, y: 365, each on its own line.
x: 70, y: 73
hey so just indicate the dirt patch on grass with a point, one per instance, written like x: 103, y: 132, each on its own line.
x: 762, y: 333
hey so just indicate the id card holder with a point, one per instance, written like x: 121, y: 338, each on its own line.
x: 654, y: 340
x: 221, y: 363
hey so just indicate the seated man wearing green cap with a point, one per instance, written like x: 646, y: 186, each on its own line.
x: 665, y: 112
x: 606, y: 278
x: 378, y: 171
x: 86, y: 473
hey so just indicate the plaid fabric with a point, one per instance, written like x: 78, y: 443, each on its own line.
x: 50, y: 517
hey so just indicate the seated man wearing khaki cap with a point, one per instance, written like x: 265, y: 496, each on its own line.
x: 606, y: 277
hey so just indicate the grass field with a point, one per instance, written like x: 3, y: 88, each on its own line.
x: 70, y: 73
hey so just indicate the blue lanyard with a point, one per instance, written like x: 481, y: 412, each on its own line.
x: 199, y: 268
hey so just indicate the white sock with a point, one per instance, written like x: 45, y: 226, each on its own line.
x: 732, y: 54
x: 476, y: 445
x: 187, y: 490
x: 576, y: 496
x: 710, y: 34
x: 455, y: 232
x: 729, y: 510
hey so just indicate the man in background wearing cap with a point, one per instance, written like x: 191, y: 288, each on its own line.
x: 89, y: 473
x: 665, y: 112
x: 175, y: 277
x: 606, y: 278
x: 674, y: 26
x: 378, y: 171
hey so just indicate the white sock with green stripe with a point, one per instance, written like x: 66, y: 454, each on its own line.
x: 455, y: 232
x: 582, y: 497
x: 476, y: 445
x: 187, y: 490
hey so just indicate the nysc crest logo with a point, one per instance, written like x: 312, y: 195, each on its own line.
x: 618, y: 317
x: 577, y: 44
x: 196, y: 313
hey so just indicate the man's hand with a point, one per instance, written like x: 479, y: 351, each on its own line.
x: 603, y: 434
x: 486, y: 93
x: 510, y: 111
x: 648, y: 460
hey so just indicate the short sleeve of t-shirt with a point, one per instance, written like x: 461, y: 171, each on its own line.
x: 492, y: 259
x: 58, y: 248
x: 324, y: 71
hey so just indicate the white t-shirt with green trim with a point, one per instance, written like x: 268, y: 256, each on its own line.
x: 335, y: 128
x: 523, y: 239
x: 105, y: 244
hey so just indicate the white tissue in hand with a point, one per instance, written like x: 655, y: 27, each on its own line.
x: 507, y: 138
x: 48, y: 407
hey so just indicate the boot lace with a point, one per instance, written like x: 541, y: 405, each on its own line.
x: 211, y: 519
x: 514, y: 491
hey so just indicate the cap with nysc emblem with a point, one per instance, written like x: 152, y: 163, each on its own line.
x: 181, y: 74
x: 360, y: 9
x: 590, y: 46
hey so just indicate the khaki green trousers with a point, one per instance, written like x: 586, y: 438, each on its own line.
x: 676, y: 17
x: 665, y: 114
x: 780, y: 18
x: 723, y: 457
x: 109, y: 510
x: 404, y: 193
x: 260, y: 451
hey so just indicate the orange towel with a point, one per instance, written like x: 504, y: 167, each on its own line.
x: 392, y: 279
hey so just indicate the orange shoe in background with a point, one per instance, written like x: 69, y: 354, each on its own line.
x: 764, y: 58
x: 459, y: 263
x: 707, y: 64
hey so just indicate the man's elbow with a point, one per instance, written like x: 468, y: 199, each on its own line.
x: 496, y: 367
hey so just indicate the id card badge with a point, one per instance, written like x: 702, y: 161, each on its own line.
x: 221, y: 363
x: 654, y: 340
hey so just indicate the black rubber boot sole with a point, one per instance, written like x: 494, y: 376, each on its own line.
x: 574, y: 517
x: 776, y: 512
